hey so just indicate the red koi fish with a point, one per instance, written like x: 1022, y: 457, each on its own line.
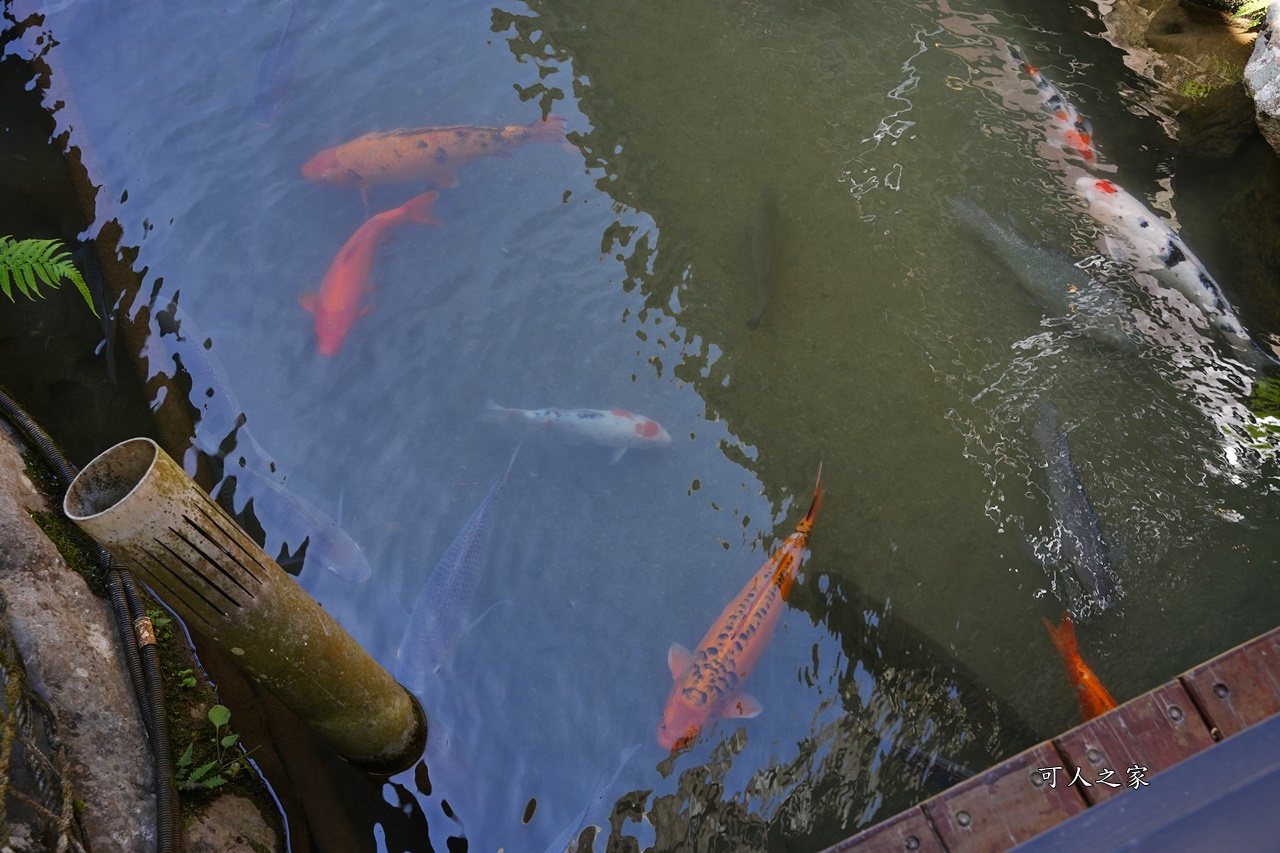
x: 423, y: 154
x: 1094, y: 698
x: 337, y: 305
x: 1077, y: 133
x: 707, y: 681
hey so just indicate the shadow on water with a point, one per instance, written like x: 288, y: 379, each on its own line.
x: 888, y: 353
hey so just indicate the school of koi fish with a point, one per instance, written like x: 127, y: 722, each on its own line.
x: 708, y: 681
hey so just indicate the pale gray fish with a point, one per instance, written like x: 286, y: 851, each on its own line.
x: 1081, y: 540
x: 1148, y: 243
x: 764, y: 251
x: 220, y: 414
x: 274, y: 85
x: 570, y: 833
x: 1053, y: 280
x: 288, y: 518
x: 441, y: 611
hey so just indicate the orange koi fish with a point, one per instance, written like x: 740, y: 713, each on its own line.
x: 424, y: 153
x: 337, y: 305
x: 707, y: 681
x: 1077, y: 133
x: 1094, y: 698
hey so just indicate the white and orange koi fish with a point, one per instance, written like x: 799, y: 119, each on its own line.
x: 617, y: 428
x: 1075, y: 131
x: 707, y: 681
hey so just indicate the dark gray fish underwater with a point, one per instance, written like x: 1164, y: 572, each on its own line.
x: 274, y: 85
x: 764, y: 251
x: 1053, y: 279
x: 440, y: 613
x: 1081, y: 541
x: 87, y: 262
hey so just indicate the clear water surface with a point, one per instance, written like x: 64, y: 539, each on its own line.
x: 895, y: 351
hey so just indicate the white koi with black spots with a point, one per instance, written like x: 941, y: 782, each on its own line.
x: 1152, y: 246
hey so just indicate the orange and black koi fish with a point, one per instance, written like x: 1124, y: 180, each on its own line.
x: 707, y: 681
x: 423, y: 154
x: 1094, y: 698
x: 1077, y: 133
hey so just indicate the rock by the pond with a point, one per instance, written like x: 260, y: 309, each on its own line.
x: 71, y: 656
x: 230, y: 824
x: 1196, y: 57
x: 1262, y: 77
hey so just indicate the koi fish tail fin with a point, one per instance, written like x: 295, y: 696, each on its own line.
x: 1064, y: 637
x: 807, y: 521
x: 549, y: 129
x: 495, y: 414
x: 418, y: 209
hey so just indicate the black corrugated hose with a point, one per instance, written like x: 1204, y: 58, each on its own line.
x: 143, y: 662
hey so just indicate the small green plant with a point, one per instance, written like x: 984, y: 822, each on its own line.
x: 1195, y: 89
x: 228, y: 761
x: 1255, y: 11
x: 27, y: 264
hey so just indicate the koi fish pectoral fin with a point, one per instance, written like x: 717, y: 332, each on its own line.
x: 480, y: 618
x: 308, y: 302
x: 1117, y: 250
x: 741, y: 707
x: 616, y: 455
x: 445, y: 180
x: 365, y: 310
x: 678, y: 659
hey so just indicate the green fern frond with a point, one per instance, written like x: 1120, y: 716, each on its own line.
x: 1256, y: 10
x: 26, y: 264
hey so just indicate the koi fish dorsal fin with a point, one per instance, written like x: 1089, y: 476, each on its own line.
x: 743, y: 706
x: 1064, y: 637
x: 817, y: 500
x: 678, y: 660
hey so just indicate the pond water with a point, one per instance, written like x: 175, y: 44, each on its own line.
x: 895, y: 351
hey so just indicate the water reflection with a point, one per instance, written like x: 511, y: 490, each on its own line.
x: 894, y: 352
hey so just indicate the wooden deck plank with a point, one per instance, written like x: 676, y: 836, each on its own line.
x: 1014, y: 802
x: 1004, y: 806
x: 1240, y: 687
x: 1154, y: 731
x: 907, y: 832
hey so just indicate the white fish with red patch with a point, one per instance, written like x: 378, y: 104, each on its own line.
x: 616, y: 428
x: 1149, y: 243
x: 1077, y: 133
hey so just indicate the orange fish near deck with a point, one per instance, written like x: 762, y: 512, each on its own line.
x: 337, y: 305
x: 1094, y: 698
x: 423, y: 154
x: 707, y: 681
